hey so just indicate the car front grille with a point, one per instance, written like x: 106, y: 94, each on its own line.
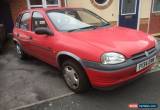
x: 144, y: 54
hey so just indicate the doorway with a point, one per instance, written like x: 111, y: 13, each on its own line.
x: 5, y: 16
x: 129, y: 13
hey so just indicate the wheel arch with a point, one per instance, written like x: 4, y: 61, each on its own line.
x: 64, y: 55
x: 15, y: 41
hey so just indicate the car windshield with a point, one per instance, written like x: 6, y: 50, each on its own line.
x: 75, y: 19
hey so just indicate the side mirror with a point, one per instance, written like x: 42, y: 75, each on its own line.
x: 43, y: 30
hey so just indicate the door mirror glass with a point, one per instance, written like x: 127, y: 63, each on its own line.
x: 43, y: 31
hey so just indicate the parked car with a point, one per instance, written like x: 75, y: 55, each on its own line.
x: 88, y: 50
x: 2, y: 36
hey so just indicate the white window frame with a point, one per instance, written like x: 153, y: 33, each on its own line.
x: 44, y: 4
x: 135, y: 9
x: 153, y: 8
x: 139, y: 12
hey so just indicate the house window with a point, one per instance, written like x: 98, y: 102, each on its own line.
x: 101, y: 4
x: 52, y: 2
x: 156, y: 6
x: 36, y: 2
x: 42, y: 3
x: 101, y: 1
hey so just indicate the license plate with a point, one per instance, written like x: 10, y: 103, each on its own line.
x: 146, y: 63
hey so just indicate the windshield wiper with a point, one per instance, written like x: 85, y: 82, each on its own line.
x: 88, y: 27
x: 104, y: 25
x: 94, y: 27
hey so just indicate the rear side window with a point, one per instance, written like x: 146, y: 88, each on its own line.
x: 18, y: 21
x: 24, y: 23
x: 38, y: 21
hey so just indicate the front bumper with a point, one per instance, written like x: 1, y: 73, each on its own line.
x: 103, y: 79
x: 102, y: 76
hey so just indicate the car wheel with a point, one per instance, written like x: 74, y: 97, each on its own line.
x: 75, y: 77
x: 21, y: 54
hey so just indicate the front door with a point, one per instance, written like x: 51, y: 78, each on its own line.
x: 155, y: 17
x: 41, y: 45
x: 128, y: 14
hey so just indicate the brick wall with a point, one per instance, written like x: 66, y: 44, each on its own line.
x: 16, y: 7
x: 19, y: 5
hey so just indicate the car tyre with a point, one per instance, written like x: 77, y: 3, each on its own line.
x: 21, y: 54
x: 75, y: 76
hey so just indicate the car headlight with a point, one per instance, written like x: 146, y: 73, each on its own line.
x: 112, y: 58
x: 153, y: 38
x: 156, y: 45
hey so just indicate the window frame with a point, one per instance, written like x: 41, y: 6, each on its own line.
x: 135, y: 9
x: 153, y: 7
x: 102, y: 4
x: 44, y: 4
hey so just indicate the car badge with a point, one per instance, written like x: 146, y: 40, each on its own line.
x: 147, y: 54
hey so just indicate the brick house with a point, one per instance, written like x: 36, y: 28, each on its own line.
x: 142, y: 15
x: 9, y: 9
x: 19, y: 5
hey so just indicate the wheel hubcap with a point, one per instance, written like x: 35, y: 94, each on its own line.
x: 18, y: 50
x: 71, y: 77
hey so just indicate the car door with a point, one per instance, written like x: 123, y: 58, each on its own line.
x: 41, y: 45
x: 23, y: 30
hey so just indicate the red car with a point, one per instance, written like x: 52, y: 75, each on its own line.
x: 88, y: 50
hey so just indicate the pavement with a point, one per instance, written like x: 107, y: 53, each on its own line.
x: 34, y: 85
x: 157, y: 65
x: 142, y: 91
x: 26, y: 82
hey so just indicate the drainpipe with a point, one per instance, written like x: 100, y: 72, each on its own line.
x: 2, y: 36
x: 66, y: 3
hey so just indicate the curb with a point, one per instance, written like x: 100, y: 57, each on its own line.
x: 153, y: 71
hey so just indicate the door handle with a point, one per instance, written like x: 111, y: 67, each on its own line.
x: 17, y: 35
x: 29, y: 37
x: 49, y: 48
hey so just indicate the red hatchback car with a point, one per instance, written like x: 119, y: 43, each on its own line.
x: 88, y: 50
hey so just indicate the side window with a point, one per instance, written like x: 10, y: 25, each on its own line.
x: 24, y: 23
x: 38, y: 21
x: 18, y: 21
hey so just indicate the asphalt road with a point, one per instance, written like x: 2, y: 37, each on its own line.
x: 31, y: 81
x: 142, y: 91
x: 26, y: 82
